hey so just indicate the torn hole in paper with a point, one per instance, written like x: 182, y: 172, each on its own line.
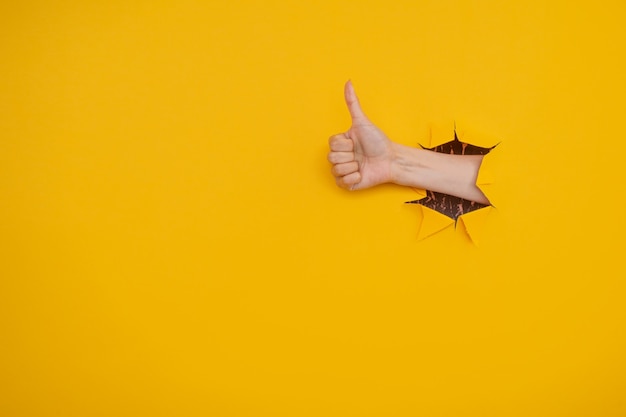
x: 437, y: 205
x: 449, y: 205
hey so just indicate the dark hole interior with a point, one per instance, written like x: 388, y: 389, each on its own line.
x: 451, y: 206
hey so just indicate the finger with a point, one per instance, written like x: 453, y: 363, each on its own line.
x: 352, y: 101
x: 340, y: 157
x: 340, y: 143
x: 339, y: 170
x: 349, y: 181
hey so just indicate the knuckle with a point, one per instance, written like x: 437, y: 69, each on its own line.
x: 334, y: 139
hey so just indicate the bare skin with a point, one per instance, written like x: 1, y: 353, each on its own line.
x: 364, y: 157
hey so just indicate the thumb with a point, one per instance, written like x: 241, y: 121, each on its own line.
x: 352, y: 101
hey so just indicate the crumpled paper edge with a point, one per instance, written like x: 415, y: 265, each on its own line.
x: 473, y: 223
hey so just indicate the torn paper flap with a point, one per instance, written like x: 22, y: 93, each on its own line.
x: 432, y: 222
x: 486, y: 179
x: 469, y: 135
x: 438, y: 134
x: 475, y: 223
x: 421, y: 193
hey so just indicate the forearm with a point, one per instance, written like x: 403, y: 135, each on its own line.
x: 449, y: 174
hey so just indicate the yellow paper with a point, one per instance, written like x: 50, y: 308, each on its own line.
x: 474, y: 223
x: 172, y: 242
x: 432, y: 222
x: 439, y: 133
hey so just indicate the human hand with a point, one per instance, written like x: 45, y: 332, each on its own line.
x: 362, y: 156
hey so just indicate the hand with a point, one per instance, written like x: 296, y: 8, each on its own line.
x: 362, y: 156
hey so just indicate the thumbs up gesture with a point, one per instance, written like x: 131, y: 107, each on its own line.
x: 362, y: 156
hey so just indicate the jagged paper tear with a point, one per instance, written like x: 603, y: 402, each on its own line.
x: 473, y: 222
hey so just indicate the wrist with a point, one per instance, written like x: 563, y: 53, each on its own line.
x: 407, y: 165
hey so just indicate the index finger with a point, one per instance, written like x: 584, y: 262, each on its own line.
x: 341, y: 143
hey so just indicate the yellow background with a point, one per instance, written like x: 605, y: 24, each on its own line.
x: 172, y: 241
